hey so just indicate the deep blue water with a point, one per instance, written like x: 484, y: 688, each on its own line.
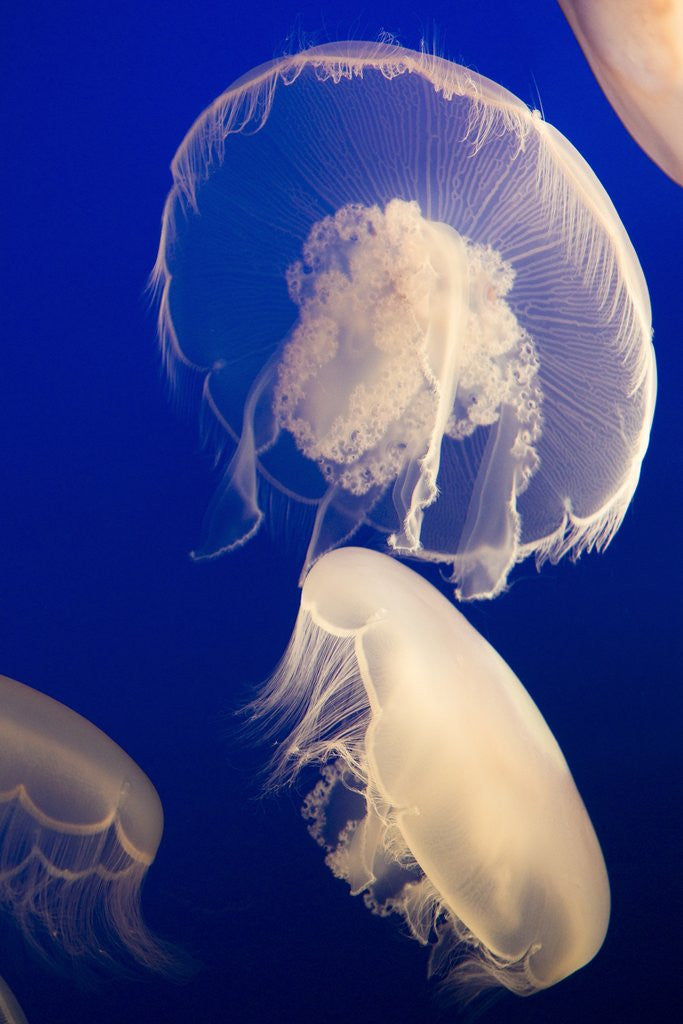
x: 104, y: 490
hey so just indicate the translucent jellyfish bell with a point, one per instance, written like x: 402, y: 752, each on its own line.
x: 413, y: 306
x: 635, y: 49
x: 80, y: 825
x: 454, y: 806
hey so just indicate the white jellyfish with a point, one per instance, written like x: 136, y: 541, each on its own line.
x: 80, y: 825
x: 635, y: 49
x: 454, y: 806
x: 413, y: 306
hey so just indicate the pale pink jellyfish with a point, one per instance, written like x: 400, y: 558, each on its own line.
x: 80, y: 825
x: 635, y: 49
x: 413, y: 307
x: 445, y: 798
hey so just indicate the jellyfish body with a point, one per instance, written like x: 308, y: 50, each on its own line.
x: 470, y: 825
x: 413, y: 307
x: 635, y: 50
x: 80, y: 824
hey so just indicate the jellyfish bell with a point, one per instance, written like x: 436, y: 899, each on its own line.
x: 635, y: 50
x: 413, y: 307
x: 471, y: 826
x: 80, y: 824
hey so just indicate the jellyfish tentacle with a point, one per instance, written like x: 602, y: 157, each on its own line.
x: 339, y: 516
x: 234, y: 515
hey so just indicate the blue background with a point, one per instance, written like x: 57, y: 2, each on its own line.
x: 105, y: 486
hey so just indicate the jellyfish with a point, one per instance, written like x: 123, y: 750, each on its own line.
x: 635, y: 50
x: 80, y: 824
x: 453, y: 803
x: 10, y: 1011
x: 412, y: 307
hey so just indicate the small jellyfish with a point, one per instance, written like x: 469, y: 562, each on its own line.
x: 635, y: 50
x: 445, y: 797
x: 413, y: 307
x: 80, y: 825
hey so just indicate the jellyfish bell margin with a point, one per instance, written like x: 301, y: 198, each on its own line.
x: 419, y: 312
x: 453, y: 803
x: 80, y: 825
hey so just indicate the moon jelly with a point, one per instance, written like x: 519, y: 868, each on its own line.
x: 413, y: 306
x: 635, y: 49
x: 80, y: 825
x: 454, y: 805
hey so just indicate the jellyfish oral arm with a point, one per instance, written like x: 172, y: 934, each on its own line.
x: 339, y: 516
x: 491, y: 533
x: 234, y: 516
x: 445, y: 322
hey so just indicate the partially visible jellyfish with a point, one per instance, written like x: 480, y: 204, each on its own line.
x: 10, y: 1011
x: 453, y: 804
x: 413, y: 307
x: 635, y: 50
x: 80, y: 825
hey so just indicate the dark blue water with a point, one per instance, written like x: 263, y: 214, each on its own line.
x: 104, y: 489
